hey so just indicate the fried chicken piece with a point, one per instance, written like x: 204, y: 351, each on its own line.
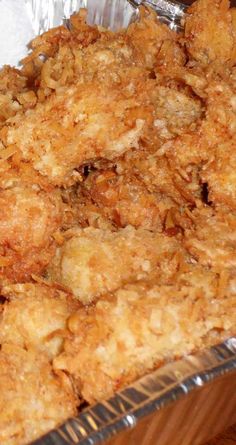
x: 85, y: 51
x: 76, y: 126
x: 148, y: 35
x: 219, y: 175
x: 131, y: 332
x: 162, y: 175
x: 212, y: 238
x: 125, y: 200
x: 219, y: 129
x: 35, y: 316
x: 208, y: 154
x: 105, y: 102
x: 33, y: 400
x: 95, y: 261
x: 28, y: 220
x: 14, y: 93
x: 60, y: 44
x: 175, y: 111
x: 210, y: 37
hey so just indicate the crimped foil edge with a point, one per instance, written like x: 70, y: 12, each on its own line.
x: 147, y: 395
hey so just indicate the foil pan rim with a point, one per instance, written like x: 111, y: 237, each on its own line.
x: 151, y: 393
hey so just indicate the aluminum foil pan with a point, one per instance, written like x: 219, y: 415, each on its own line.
x: 182, y: 403
x: 185, y: 402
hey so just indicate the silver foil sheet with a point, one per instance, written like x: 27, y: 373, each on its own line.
x: 113, y: 14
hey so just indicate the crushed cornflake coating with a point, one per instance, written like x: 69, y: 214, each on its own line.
x: 35, y: 316
x: 95, y: 261
x: 118, y: 214
x: 141, y: 326
x: 33, y: 399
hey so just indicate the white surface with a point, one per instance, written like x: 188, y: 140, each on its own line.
x: 16, y: 31
x: 21, y: 20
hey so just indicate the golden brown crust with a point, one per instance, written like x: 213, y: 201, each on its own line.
x: 95, y: 261
x: 34, y: 316
x: 33, y: 399
x: 129, y: 333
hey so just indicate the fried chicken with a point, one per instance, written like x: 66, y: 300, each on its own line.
x: 95, y: 261
x: 33, y: 399
x: 212, y: 238
x: 130, y: 332
x: 35, y: 317
x: 14, y: 93
x: 108, y: 105
x: 124, y: 200
x: 213, y: 40
x: 30, y: 214
x: 117, y: 195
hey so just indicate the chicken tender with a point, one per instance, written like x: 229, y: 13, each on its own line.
x: 33, y: 400
x: 130, y: 332
x: 210, y: 37
x: 35, y: 317
x: 14, y: 93
x: 148, y: 35
x: 95, y: 261
x: 29, y: 217
x: 212, y: 239
x: 125, y: 200
x: 219, y: 175
x: 103, y: 102
x: 82, y: 123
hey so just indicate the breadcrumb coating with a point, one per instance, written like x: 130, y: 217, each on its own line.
x: 212, y: 239
x: 33, y: 399
x: 35, y: 316
x: 28, y: 220
x: 96, y: 261
x: 128, y: 333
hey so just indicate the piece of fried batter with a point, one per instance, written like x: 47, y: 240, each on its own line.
x: 34, y: 316
x: 130, y: 332
x: 33, y: 400
x: 95, y: 261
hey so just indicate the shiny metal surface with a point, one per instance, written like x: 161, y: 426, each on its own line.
x: 183, y: 403
x: 170, y: 12
x: 113, y: 14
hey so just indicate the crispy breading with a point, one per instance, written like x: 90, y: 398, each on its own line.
x: 33, y: 400
x: 212, y: 238
x: 14, y: 93
x: 29, y: 217
x: 35, y: 316
x: 101, y: 103
x: 125, y: 200
x: 210, y: 37
x: 95, y: 261
x: 83, y: 123
x: 130, y: 332
x: 148, y: 35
